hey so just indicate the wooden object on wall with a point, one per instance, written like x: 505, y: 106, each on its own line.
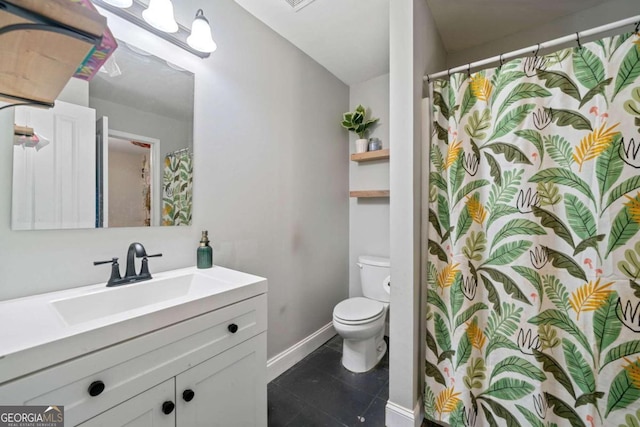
x: 36, y: 64
x: 369, y: 193
x: 370, y: 155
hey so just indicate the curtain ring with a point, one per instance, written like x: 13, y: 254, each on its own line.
x: 428, y: 80
x: 501, y: 60
x: 578, y: 40
x: 637, y: 27
x: 449, y: 73
x: 537, y: 51
x: 469, y: 70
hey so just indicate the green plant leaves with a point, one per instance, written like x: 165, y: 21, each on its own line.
x: 469, y: 312
x: 629, y: 70
x: 624, y: 228
x: 609, y: 166
x: 442, y: 333
x: 510, y: 151
x: 559, y: 80
x: 435, y: 249
x: 553, y: 222
x: 623, y: 350
x: 578, y: 367
x: 563, y: 177
x: 517, y: 227
x: 434, y: 299
x: 559, y: 150
x: 623, y: 391
x: 509, y: 389
x: 587, y: 67
x: 606, y: 325
x: 511, y: 120
x: 535, y: 138
x: 463, y: 350
x: 509, y: 284
x: 627, y: 186
x: 432, y: 371
x: 560, y: 260
x: 569, y: 118
x: 553, y: 367
x: 630, y: 266
x: 520, y: 366
x: 561, y: 320
x: 522, y: 91
x: 502, y: 412
x: 474, y: 246
x: 507, y: 253
x: 478, y: 124
x: 563, y: 410
x: 464, y: 223
x: 475, y: 373
x: 580, y: 217
x: 468, y: 189
x: 468, y: 101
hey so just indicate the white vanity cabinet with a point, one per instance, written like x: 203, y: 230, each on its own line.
x: 208, y: 370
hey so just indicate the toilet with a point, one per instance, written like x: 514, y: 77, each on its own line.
x: 360, y: 321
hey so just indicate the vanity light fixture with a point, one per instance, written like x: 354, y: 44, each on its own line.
x: 200, y: 38
x: 158, y: 19
x: 120, y: 3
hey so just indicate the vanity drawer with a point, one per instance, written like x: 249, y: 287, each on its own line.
x: 131, y: 367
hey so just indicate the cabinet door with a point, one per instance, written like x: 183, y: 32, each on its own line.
x: 229, y: 390
x: 143, y: 410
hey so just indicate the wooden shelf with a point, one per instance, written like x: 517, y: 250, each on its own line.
x: 369, y: 193
x: 38, y: 61
x: 370, y: 155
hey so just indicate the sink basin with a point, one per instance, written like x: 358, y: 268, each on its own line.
x: 127, y: 298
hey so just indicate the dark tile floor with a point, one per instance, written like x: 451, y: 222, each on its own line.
x: 319, y: 391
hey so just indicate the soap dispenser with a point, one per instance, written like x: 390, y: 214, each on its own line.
x: 205, y: 253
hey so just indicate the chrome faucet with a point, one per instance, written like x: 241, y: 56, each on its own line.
x: 136, y: 250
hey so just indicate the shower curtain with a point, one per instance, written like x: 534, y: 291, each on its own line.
x: 177, y: 188
x: 533, y: 283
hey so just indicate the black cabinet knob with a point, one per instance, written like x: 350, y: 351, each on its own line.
x: 95, y: 388
x: 188, y: 395
x: 168, y: 407
x: 233, y: 328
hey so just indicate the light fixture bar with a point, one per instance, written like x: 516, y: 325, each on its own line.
x: 133, y: 14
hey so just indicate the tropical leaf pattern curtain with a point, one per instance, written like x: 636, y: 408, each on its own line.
x: 533, y: 308
x: 177, y: 189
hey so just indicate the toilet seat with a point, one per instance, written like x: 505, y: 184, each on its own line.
x: 358, y: 310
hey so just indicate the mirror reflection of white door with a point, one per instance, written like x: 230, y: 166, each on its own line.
x: 54, y: 187
x: 120, y: 173
x: 102, y: 161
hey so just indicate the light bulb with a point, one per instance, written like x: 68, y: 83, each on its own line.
x: 159, y: 15
x: 200, y: 38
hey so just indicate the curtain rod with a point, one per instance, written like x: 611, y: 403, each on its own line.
x: 535, y: 48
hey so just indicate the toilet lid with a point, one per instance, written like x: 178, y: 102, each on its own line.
x: 358, y: 309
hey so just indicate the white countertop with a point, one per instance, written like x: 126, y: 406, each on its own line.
x: 35, y: 335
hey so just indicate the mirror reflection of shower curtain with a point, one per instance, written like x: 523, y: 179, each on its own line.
x: 177, y: 188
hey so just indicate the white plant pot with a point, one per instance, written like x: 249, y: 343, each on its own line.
x: 361, y: 145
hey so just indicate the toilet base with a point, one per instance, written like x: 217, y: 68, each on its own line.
x: 363, y: 355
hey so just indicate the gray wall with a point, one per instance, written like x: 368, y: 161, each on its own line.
x: 271, y: 183
x: 369, y: 218
x: 416, y: 48
x: 605, y: 13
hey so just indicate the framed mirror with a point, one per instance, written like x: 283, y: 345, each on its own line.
x: 116, y: 152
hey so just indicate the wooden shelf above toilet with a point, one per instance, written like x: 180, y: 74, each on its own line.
x: 369, y: 193
x: 370, y: 155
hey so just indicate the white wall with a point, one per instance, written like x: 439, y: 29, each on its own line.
x: 415, y: 49
x: 270, y: 185
x: 369, y: 218
x: 605, y: 13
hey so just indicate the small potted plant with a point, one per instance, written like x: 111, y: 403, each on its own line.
x: 357, y: 122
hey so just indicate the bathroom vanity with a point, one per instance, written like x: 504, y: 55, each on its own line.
x: 187, y: 348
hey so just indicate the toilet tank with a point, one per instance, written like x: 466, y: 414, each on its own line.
x: 374, y: 277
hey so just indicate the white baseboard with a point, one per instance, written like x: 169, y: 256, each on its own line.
x: 278, y: 364
x: 399, y: 416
